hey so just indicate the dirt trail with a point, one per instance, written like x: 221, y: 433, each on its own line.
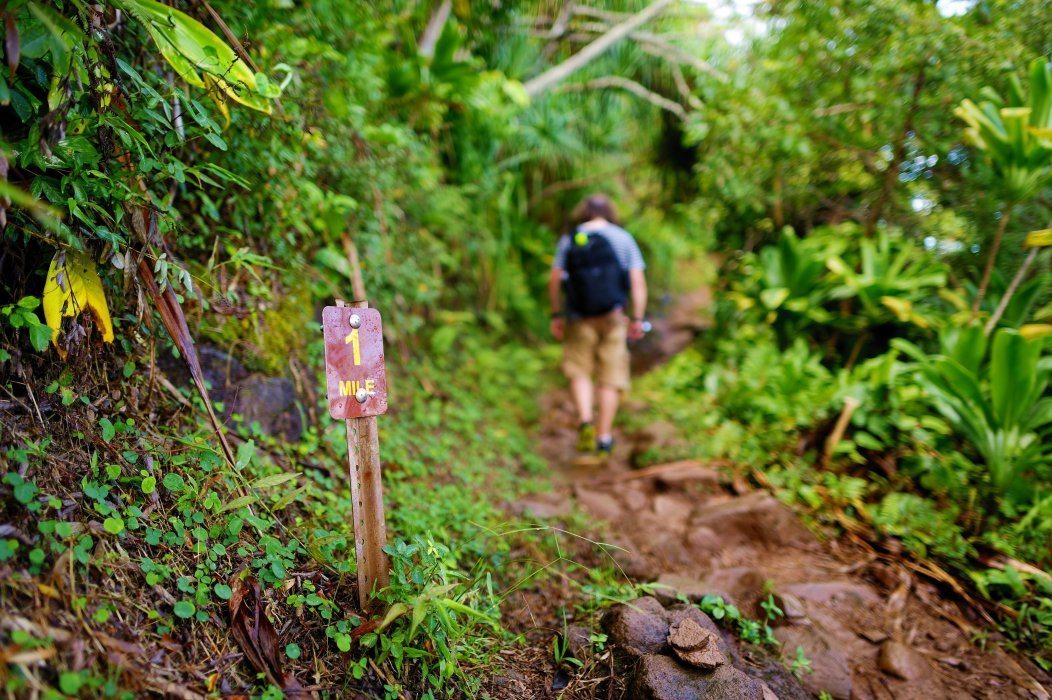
x: 871, y: 628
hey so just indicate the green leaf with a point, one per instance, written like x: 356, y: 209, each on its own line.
x: 223, y: 591
x: 108, y: 431
x: 245, y: 452
x: 274, y: 480
x: 240, y: 502
x: 292, y: 650
x: 173, y: 482
x: 190, y: 47
x: 184, y: 609
x: 70, y: 682
x: 39, y: 337
x: 1013, y: 364
x: 114, y: 526
x: 149, y: 485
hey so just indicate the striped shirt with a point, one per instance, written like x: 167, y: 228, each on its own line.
x: 625, y: 247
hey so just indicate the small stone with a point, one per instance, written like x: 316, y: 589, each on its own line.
x: 835, y: 593
x: 598, y: 503
x: 695, y: 645
x: 703, y: 540
x: 901, y: 661
x: 756, y: 519
x: 873, y: 636
x: 791, y: 606
x: 673, y: 511
x: 544, y: 506
x: 638, y: 627
x: 686, y: 473
x: 634, y: 499
x: 727, y: 642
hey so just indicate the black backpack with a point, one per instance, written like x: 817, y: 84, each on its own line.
x: 595, y: 282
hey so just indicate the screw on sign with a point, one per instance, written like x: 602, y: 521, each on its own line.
x: 357, y: 391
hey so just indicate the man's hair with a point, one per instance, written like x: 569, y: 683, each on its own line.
x: 595, y: 206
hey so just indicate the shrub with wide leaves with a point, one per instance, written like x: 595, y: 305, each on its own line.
x: 998, y: 405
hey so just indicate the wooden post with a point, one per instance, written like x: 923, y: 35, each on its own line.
x: 363, y: 455
x: 850, y: 404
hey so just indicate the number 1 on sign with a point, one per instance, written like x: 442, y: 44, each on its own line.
x: 352, y: 340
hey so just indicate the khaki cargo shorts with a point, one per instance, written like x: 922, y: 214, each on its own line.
x: 598, y: 347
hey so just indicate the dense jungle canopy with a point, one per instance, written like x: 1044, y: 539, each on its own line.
x: 864, y: 186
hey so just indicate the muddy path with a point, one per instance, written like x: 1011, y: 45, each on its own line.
x: 871, y: 626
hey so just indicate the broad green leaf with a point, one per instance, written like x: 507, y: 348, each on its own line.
x: 1013, y: 363
x: 192, y: 49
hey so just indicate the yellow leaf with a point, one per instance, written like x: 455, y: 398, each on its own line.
x: 1037, y: 239
x: 953, y: 298
x: 73, y: 286
x: 1035, y: 330
x: 902, y: 308
x: 1015, y: 112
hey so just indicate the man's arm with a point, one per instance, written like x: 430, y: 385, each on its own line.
x: 638, y: 285
x: 555, y: 288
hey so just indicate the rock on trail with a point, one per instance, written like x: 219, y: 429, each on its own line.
x: 678, y: 653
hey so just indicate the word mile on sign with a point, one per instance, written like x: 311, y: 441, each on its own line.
x: 354, y: 362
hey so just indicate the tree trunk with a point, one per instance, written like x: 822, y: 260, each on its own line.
x: 557, y: 74
x: 899, y: 152
x: 991, y: 259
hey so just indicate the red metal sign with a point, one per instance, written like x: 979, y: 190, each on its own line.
x: 354, y: 362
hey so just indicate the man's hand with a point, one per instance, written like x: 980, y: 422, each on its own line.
x: 558, y: 326
x: 636, y: 330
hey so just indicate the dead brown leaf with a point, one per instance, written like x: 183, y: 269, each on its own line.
x: 255, y: 634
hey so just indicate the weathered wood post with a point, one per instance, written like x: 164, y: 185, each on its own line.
x: 357, y: 390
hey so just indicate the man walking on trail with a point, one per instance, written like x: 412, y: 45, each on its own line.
x: 598, y: 296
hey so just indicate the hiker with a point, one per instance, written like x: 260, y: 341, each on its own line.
x: 598, y: 271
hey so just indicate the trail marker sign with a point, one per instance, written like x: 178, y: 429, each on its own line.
x: 357, y: 390
x: 354, y: 362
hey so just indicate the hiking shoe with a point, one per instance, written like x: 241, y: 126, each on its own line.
x: 605, y: 447
x: 586, y: 437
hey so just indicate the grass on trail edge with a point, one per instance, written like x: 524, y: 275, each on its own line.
x: 123, y: 537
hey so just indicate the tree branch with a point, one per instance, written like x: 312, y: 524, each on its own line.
x: 684, y: 90
x: 617, y: 81
x: 899, y: 153
x: 555, y: 75
x: 1020, y: 275
x: 434, y: 28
